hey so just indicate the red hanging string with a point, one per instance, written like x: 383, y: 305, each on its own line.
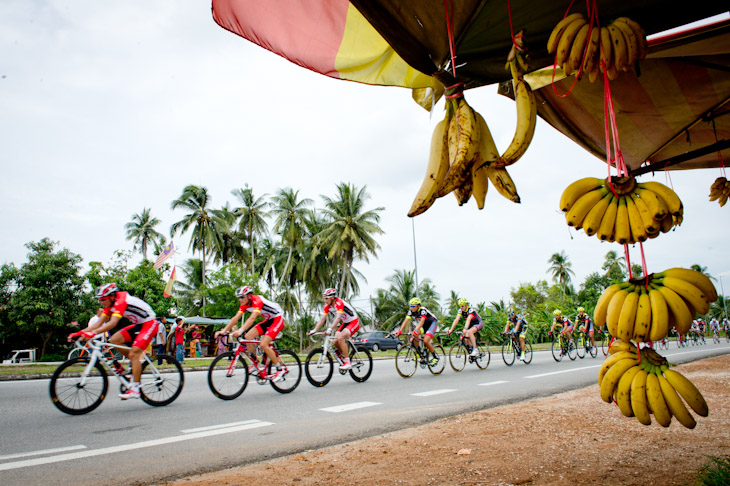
x: 643, y: 266
x: 628, y: 260
x: 592, y: 24
x: 512, y: 31
x: 722, y: 163
x: 447, y: 8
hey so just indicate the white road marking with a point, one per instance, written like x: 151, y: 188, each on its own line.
x: 219, y: 426
x: 40, y: 453
x: 128, y: 447
x: 564, y: 371
x: 349, y: 406
x: 493, y: 383
x: 433, y: 392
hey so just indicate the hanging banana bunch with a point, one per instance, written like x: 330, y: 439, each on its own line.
x: 636, y: 212
x: 619, y: 45
x: 720, y: 191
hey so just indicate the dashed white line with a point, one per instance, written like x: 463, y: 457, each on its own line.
x: 493, y: 383
x: 219, y: 426
x: 44, y: 451
x: 433, y: 392
x: 349, y: 406
x: 564, y: 371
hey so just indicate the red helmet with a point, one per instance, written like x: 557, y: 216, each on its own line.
x: 330, y: 293
x: 243, y: 291
x: 106, y: 290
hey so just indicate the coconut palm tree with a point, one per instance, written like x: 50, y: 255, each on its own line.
x: 391, y: 305
x: 252, y: 216
x: 142, y: 230
x: 350, y: 231
x: 614, y: 266
x: 289, y: 212
x: 229, y: 248
x: 560, y: 269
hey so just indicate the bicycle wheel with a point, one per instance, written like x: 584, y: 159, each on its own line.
x: 293, y: 374
x: 68, y: 393
x: 572, y: 351
x: 509, y: 354
x: 594, y: 350
x: 362, y: 363
x: 484, y: 357
x: 605, y: 341
x: 227, y: 379
x: 528, y: 352
x: 160, y: 385
x: 78, y: 353
x: 439, y: 366
x: 557, y: 350
x: 318, y: 367
x: 580, y: 346
x: 457, y: 356
x: 406, y: 361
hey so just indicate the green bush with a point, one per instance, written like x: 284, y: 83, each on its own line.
x: 715, y: 473
x: 53, y: 357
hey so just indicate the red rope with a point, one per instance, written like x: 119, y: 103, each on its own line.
x: 643, y: 266
x: 628, y: 260
x: 722, y: 163
x: 511, y: 29
x: 592, y: 19
x: 452, y: 47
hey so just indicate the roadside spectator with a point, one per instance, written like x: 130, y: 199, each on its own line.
x: 222, y: 342
x: 161, y: 338
x: 180, y: 340
x: 197, y: 336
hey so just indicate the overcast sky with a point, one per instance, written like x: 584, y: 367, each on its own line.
x: 110, y: 107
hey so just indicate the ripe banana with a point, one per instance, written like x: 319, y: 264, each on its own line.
x: 612, y: 376
x: 576, y: 189
x: 623, y: 391
x: 463, y: 134
x: 566, y: 40
x: 675, y: 404
x: 620, y: 49
x: 590, y: 65
x: 641, y: 43
x: 592, y: 221
x: 558, y: 30
x: 691, y: 294
x: 502, y: 181
x: 607, y: 229
x: 583, y: 205
x: 480, y: 184
x: 638, y: 230
x: 678, y: 307
x: 671, y: 199
x: 578, y: 49
x: 623, y: 230
x: 688, y: 391
x: 526, y: 121
x: 638, y: 398
x: 612, y: 360
x: 627, y: 317
x: 632, y: 48
x: 698, y: 279
x: 643, y: 322
x: 657, y: 206
x: 720, y: 190
x: 647, y: 218
x: 655, y: 398
x: 438, y: 165
x: 599, y: 313
x: 606, y: 50
x: 614, y: 311
x: 659, y: 316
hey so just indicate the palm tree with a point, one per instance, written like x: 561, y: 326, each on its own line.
x: 252, y: 216
x: 350, y: 232
x: 290, y: 214
x: 206, y: 235
x: 229, y: 248
x: 391, y: 305
x: 142, y: 230
x: 192, y: 287
x: 614, y: 266
x: 560, y: 269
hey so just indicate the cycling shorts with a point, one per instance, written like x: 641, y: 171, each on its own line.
x: 588, y: 326
x: 476, y: 327
x: 432, y: 329
x: 563, y: 328
x: 271, y: 327
x: 352, y: 326
x: 140, y: 335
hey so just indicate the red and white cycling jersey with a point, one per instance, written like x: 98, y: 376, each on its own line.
x: 136, y: 310
x: 347, y: 312
x: 266, y: 308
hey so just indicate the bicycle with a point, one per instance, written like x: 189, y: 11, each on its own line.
x: 228, y: 372
x: 681, y: 340
x: 319, y: 363
x: 511, y: 349
x: 415, y: 353
x: 560, y: 347
x: 79, y: 385
x: 83, y: 352
x: 603, y: 340
x: 460, y: 353
x: 715, y: 336
x: 583, y: 346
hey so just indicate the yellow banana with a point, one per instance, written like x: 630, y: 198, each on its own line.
x: 647, y: 218
x: 582, y: 206
x: 480, y: 184
x: 623, y: 391
x: 608, y: 223
x: 612, y: 376
x: 657, y: 206
x: 557, y: 32
x: 659, y: 316
x: 678, y: 307
x: 618, y: 345
x: 612, y: 360
x: 620, y: 49
x: 688, y: 391
x: 641, y: 44
x: 623, y: 230
x: 630, y: 38
x: 675, y: 404
x: 592, y: 221
x: 502, y: 181
x: 666, y: 223
x: 627, y: 317
x: 655, y: 398
x: 590, y: 65
x: 691, y: 294
x: 438, y: 165
x: 599, y: 313
x: 463, y: 136
x: 614, y: 310
x: 674, y: 204
x: 638, y: 398
x: 566, y: 40
x: 698, y: 279
x: 576, y: 189
x: 578, y: 48
x: 487, y: 154
x: 526, y: 121
x: 606, y: 50
x: 643, y: 317
x: 638, y: 230
x: 463, y: 192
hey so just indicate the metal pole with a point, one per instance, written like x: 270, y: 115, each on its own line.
x: 415, y: 260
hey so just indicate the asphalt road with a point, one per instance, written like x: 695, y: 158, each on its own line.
x: 133, y: 443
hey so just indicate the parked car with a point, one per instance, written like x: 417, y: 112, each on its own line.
x: 377, y: 340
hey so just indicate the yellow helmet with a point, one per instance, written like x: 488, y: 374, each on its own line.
x: 581, y: 309
x: 415, y: 301
x: 462, y: 302
x: 557, y: 312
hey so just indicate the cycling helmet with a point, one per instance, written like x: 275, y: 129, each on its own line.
x: 415, y: 301
x: 106, y: 290
x: 243, y: 291
x: 581, y: 309
x: 462, y: 302
x: 557, y: 312
x: 330, y: 293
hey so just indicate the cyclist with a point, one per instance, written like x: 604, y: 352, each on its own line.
x: 564, y: 325
x: 715, y: 327
x: 426, y: 321
x: 519, y: 328
x: 585, y: 325
x: 726, y: 326
x: 701, y: 326
x: 472, y: 323
x: 268, y: 329
x: 345, y: 316
x: 137, y: 336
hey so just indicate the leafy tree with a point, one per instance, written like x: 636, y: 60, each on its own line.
x: 591, y: 290
x: 191, y: 290
x: 142, y: 230
x: 637, y: 270
x: 615, y: 267
x: 560, y: 268
x: 251, y: 216
x: 391, y: 305
x: 530, y: 297
x: 289, y: 212
x: 221, y: 301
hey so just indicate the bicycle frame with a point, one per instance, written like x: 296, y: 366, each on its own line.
x: 328, y: 347
x: 261, y: 364
x: 95, y: 346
